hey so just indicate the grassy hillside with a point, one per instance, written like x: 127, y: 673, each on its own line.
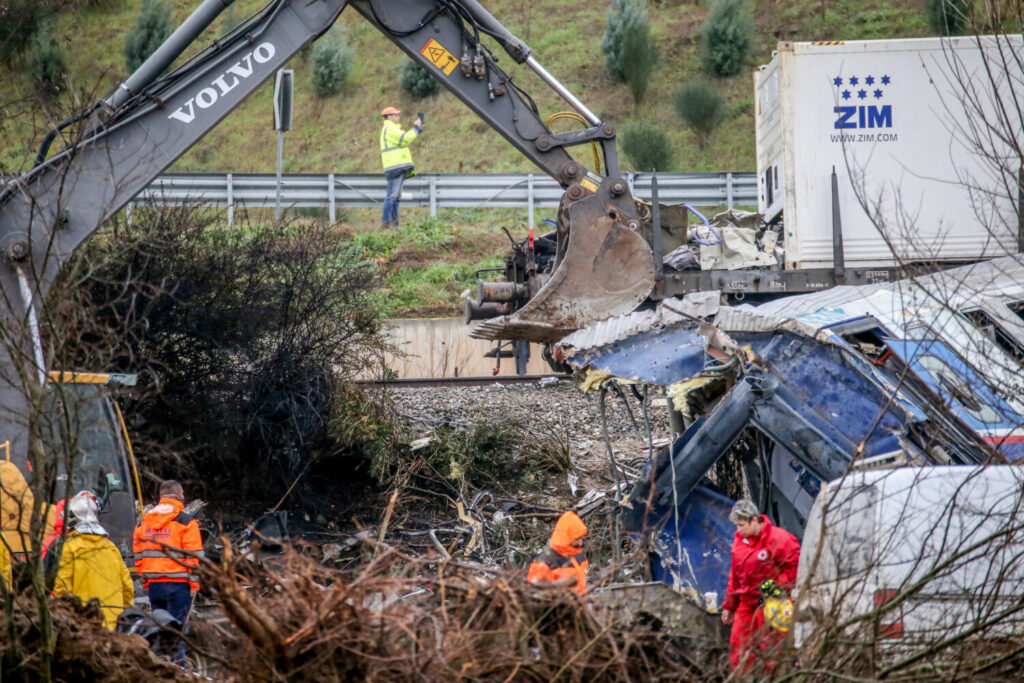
x: 339, y: 134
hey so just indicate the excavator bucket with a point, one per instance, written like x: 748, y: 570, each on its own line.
x: 606, y: 270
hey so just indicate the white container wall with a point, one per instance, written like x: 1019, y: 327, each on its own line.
x: 903, y: 124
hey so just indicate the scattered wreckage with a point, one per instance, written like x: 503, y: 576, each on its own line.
x: 918, y: 372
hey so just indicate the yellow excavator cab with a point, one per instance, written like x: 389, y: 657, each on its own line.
x: 104, y: 463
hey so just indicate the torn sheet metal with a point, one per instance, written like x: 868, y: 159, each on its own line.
x: 655, y: 356
x: 697, y: 557
x: 668, y: 312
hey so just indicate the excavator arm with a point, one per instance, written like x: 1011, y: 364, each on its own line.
x: 150, y: 120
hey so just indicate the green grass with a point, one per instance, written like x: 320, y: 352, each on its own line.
x: 432, y: 289
x: 427, y: 233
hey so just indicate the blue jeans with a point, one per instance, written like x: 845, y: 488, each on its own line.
x: 176, y: 598
x: 391, y: 197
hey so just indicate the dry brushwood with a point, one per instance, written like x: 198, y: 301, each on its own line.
x: 85, y: 650
x: 409, y: 619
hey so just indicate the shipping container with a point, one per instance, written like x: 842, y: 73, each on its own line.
x: 918, y: 132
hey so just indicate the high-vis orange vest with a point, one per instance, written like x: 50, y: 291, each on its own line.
x: 560, y: 560
x: 166, y: 531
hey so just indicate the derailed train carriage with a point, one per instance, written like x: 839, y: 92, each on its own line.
x: 799, y: 391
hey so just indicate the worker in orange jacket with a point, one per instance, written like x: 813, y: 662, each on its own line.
x: 167, y: 547
x: 562, y: 563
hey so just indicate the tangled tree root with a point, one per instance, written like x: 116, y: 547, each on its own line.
x: 400, y: 618
x: 85, y: 650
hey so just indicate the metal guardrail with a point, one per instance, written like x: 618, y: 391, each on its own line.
x: 515, y: 190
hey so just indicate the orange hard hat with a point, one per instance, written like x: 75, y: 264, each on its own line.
x: 388, y: 111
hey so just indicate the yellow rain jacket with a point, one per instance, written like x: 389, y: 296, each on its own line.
x: 5, y: 565
x: 16, y: 501
x: 91, y: 567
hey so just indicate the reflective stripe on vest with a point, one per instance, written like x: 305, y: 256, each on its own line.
x: 397, y: 154
x: 184, y: 576
x: 171, y: 553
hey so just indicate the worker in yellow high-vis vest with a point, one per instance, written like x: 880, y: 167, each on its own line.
x: 396, y: 158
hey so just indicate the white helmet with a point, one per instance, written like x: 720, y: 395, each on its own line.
x: 85, y: 513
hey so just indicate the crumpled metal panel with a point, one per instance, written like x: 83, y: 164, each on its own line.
x: 668, y: 312
x: 658, y: 356
x: 954, y: 287
x: 832, y: 382
x: 743, y: 320
x: 698, y: 556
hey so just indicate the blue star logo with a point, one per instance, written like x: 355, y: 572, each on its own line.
x: 870, y: 80
x: 854, y: 80
x: 837, y: 81
x: 862, y: 94
x: 846, y: 94
x: 878, y: 94
x: 885, y: 80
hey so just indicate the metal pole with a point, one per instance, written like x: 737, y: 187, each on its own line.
x: 128, y: 214
x: 838, y: 258
x: 280, y: 149
x: 1020, y: 210
x: 728, y: 190
x: 590, y: 116
x: 332, y: 210
x: 529, y: 200
x: 231, y: 200
x: 659, y: 266
x: 433, y: 196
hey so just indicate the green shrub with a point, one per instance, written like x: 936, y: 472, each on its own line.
x: 152, y: 26
x: 19, y: 22
x: 48, y: 64
x: 417, y: 81
x: 727, y: 37
x: 646, y: 146
x: 701, y: 107
x: 332, y: 63
x: 627, y: 35
x: 947, y: 17
x: 639, y: 56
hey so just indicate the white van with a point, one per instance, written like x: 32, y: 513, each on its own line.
x: 906, y: 558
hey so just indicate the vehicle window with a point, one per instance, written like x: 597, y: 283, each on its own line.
x: 87, y: 415
x: 958, y: 389
x: 988, y: 326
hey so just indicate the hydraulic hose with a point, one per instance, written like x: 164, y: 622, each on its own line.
x: 707, y: 224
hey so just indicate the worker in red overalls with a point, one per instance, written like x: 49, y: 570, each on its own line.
x: 761, y: 552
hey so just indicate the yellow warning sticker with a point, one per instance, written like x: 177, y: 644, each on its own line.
x: 440, y: 57
x: 589, y: 184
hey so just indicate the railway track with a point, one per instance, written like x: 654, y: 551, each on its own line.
x: 435, y: 382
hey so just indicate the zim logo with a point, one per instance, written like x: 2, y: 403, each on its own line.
x: 853, y: 94
x: 870, y: 116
